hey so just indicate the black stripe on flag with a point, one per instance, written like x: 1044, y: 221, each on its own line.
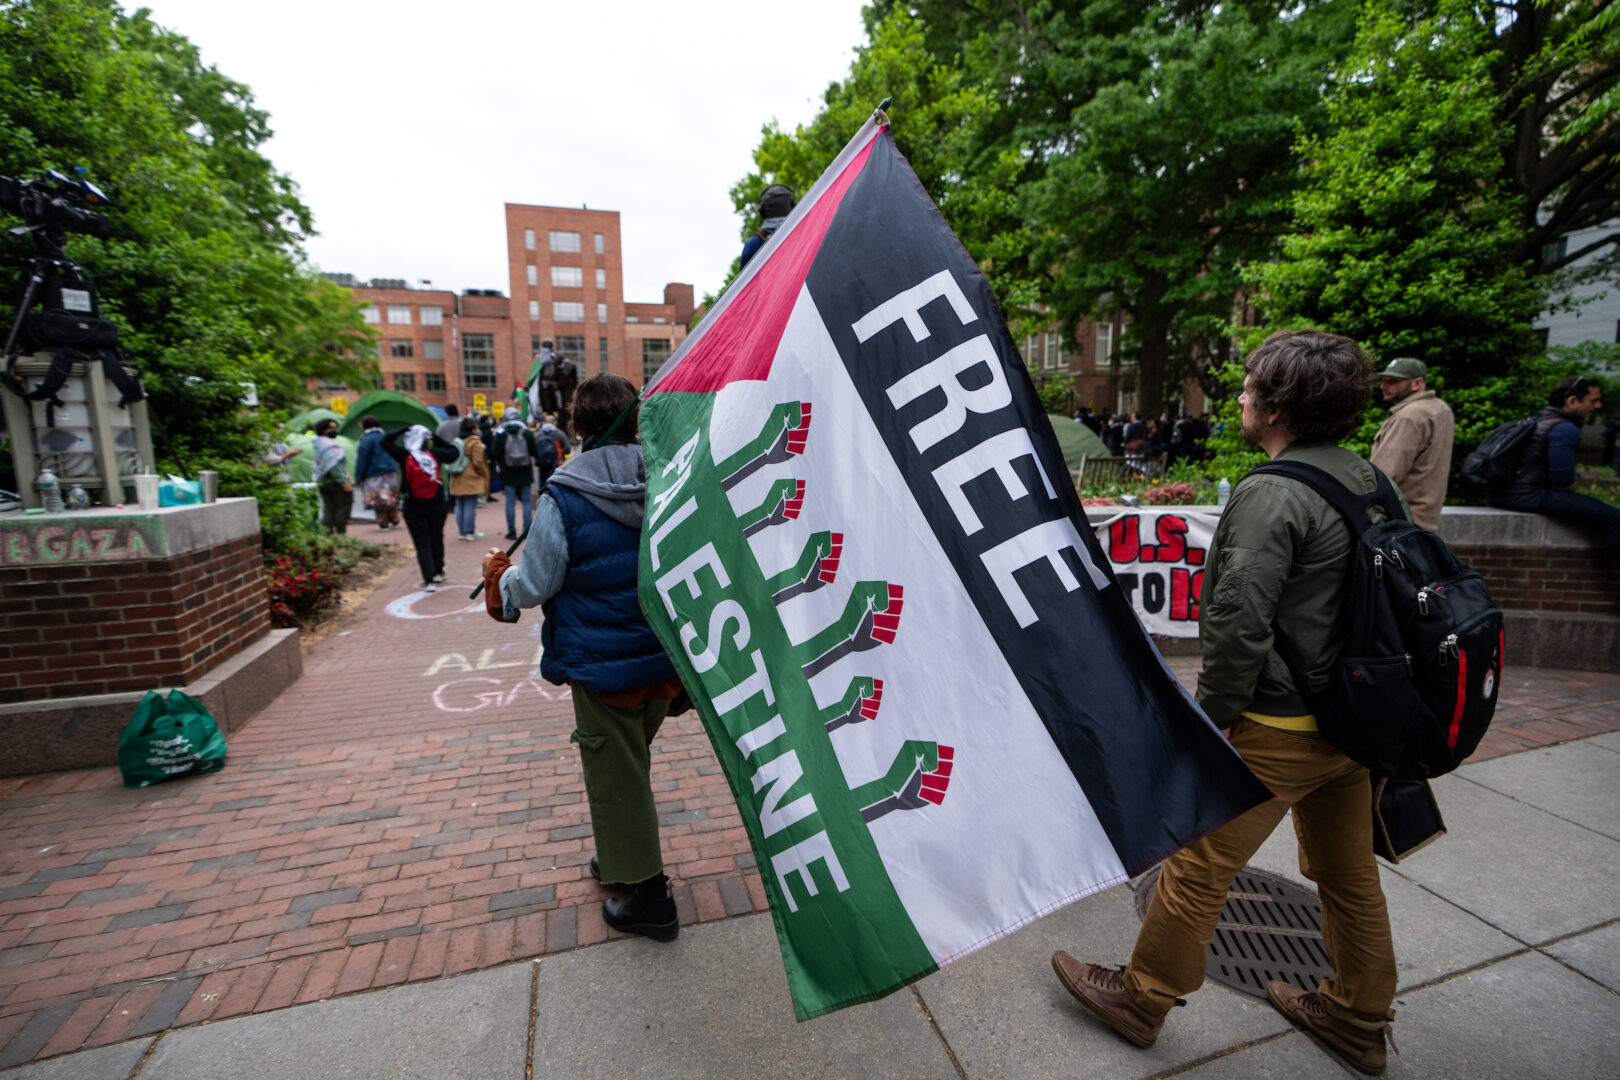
x: 1155, y: 771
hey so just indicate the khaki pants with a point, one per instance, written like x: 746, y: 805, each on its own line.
x: 1331, y: 797
x: 615, y: 752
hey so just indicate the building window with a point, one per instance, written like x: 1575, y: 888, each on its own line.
x: 1030, y: 356
x: 567, y: 311
x: 567, y: 277
x: 327, y: 387
x: 1054, y: 350
x: 431, y: 316
x: 534, y: 274
x: 534, y: 344
x: 601, y: 313
x: 601, y: 275
x: 654, y: 351
x: 401, y: 348
x: 659, y: 319
x: 601, y: 355
x: 433, y: 349
x: 534, y: 311
x: 405, y: 381
x: 478, y: 360
x: 370, y: 314
x: 632, y: 318
x: 435, y: 382
x: 599, y: 244
x: 399, y: 315
x: 565, y: 241
x: 528, y: 239
x: 572, y: 347
x: 1105, y: 346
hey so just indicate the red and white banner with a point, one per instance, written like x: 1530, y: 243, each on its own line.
x: 1158, y: 555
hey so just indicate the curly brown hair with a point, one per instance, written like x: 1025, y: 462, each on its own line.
x: 598, y: 402
x: 1318, y: 381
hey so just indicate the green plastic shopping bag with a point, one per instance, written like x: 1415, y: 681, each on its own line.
x: 167, y: 738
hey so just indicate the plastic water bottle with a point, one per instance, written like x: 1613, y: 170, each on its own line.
x: 50, y: 491
x: 1223, y: 491
x: 78, y: 498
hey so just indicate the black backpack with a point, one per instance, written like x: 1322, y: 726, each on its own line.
x: 1492, y: 464
x: 1416, y: 686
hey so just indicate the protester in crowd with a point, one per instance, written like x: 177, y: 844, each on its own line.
x: 449, y: 428
x: 1275, y: 589
x: 1113, y: 436
x: 1135, y: 430
x: 549, y: 428
x: 377, y: 474
x: 579, y: 566
x: 775, y: 203
x: 515, y: 452
x: 469, y: 482
x: 425, y: 506
x: 331, y: 476
x: 1545, y: 475
x: 1413, y: 447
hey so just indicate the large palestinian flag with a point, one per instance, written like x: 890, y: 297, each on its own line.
x: 938, y: 714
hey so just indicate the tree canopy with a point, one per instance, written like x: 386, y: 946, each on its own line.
x: 203, y: 272
x: 1396, y: 170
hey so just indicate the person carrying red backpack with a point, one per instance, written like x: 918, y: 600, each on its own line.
x: 422, y: 489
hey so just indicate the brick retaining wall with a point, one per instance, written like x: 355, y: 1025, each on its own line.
x: 83, y: 613
x: 1570, y: 580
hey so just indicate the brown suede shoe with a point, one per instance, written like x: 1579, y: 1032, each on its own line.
x: 1102, y: 990
x: 1362, y: 1048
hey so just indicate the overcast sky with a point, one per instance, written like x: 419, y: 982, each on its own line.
x: 408, y: 124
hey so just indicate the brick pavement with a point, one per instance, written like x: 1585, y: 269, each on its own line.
x: 411, y: 808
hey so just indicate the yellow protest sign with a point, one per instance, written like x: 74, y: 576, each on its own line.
x: 478, y: 402
x: 340, y: 405
x: 498, y: 409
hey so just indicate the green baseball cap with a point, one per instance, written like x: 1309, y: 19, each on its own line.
x: 1404, y: 367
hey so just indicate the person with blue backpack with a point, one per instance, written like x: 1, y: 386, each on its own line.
x: 516, y: 454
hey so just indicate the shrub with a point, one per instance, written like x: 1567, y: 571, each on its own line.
x: 302, y: 580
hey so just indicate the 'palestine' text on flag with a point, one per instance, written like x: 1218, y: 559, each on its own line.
x: 938, y: 715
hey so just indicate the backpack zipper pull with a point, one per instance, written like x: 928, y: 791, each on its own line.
x: 1423, y: 601
x: 1378, y: 564
x: 1409, y: 670
x: 1449, y: 647
x: 1395, y: 557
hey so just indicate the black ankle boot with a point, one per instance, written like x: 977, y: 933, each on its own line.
x: 610, y: 886
x: 648, y: 909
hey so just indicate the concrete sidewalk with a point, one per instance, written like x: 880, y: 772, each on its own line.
x: 406, y: 824
x: 1505, y: 930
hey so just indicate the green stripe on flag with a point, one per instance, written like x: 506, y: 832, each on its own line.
x: 850, y: 939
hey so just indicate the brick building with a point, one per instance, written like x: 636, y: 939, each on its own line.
x: 1104, y: 380
x: 565, y: 282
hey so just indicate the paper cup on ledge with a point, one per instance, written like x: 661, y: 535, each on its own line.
x: 146, y: 491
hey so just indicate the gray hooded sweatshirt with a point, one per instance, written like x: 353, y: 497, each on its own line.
x: 611, y: 478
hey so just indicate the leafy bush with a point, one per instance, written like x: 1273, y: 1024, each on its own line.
x: 307, y: 576
x: 287, y: 515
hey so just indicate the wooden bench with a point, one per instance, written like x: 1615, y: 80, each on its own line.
x: 1112, y: 470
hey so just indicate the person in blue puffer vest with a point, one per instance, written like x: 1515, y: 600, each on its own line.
x: 579, y: 567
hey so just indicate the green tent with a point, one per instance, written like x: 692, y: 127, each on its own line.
x: 392, y: 409
x: 306, y: 420
x: 1076, y: 441
x: 301, y: 468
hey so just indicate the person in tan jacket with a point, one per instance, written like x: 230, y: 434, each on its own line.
x: 1413, y: 448
x: 469, y: 483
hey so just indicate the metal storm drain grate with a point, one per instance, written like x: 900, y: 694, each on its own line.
x: 1270, y: 929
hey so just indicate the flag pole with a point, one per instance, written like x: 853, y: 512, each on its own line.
x: 874, y: 123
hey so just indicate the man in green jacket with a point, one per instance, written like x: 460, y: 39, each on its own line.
x: 1273, y: 603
